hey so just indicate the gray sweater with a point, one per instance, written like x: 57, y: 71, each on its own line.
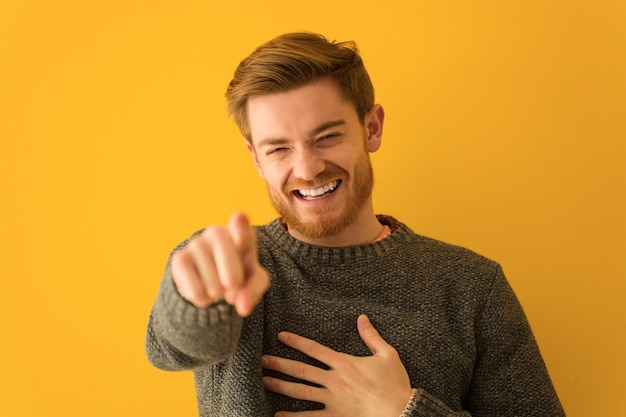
x: 450, y: 313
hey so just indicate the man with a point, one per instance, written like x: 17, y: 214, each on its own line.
x: 331, y: 310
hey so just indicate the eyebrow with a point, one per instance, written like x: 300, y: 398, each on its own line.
x: 327, y: 125
x: 314, y: 132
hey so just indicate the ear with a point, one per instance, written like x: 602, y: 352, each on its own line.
x: 250, y: 148
x: 374, y: 125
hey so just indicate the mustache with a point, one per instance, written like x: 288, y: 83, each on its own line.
x: 321, y: 179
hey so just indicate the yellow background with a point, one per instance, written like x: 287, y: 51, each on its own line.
x: 505, y: 132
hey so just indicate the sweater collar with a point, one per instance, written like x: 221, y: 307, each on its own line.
x: 279, y: 235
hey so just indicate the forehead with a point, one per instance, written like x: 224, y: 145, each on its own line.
x: 298, y: 111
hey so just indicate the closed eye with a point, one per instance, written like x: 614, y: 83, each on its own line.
x: 274, y: 150
x: 328, y: 139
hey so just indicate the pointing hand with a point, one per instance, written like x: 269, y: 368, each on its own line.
x: 222, y: 263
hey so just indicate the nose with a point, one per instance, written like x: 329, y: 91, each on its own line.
x: 307, y: 164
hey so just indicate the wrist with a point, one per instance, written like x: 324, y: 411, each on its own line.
x: 410, y: 404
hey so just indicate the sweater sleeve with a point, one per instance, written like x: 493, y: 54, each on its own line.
x: 181, y: 336
x: 425, y: 405
x: 510, y: 377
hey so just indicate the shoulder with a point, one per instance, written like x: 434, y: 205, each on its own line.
x: 445, y: 251
x: 429, y: 249
x: 445, y: 263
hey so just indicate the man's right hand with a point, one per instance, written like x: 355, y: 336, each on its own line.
x: 222, y: 263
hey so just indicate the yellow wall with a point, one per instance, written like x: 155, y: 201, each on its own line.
x: 505, y: 132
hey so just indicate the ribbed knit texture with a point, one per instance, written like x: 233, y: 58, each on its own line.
x: 450, y: 313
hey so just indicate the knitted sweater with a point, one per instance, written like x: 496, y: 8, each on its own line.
x: 450, y: 313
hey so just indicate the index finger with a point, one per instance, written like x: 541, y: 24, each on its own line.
x: 309, y: 347
x: 243, y: 236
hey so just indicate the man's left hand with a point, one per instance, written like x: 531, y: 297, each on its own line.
x: 354, y: 386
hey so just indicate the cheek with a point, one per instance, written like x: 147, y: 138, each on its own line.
x: 349, y: 164
x: 274, y: 177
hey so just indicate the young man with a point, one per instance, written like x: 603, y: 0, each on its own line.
x: 330, y: 307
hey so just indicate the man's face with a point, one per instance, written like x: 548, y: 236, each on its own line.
x: 313, y: 152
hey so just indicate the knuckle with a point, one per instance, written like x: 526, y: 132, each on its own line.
x: 193, y: 246
x: 393, y: 354
x: 302, y: 391
x: 300, y: 371
x: 214, y: 233
x: 180, y: 258
x: 180, y: 269
x: 345, y: 366
x: 338, y: 382
x: 312, y: 350
x: 176, y: 261
x: 232, y: 273
x: 197, y: 301
x: 215, y: 293
x: 391, y: 351
x: 195, y: 297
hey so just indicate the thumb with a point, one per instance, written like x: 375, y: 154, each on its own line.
x: 370, y: 336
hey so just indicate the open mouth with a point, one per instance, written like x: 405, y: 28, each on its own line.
x: 319, y: 192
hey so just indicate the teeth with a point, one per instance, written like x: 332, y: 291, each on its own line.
x: 316, y: 192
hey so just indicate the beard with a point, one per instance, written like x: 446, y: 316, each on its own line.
x: 329, y: 222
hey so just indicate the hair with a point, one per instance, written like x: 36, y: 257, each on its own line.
x: 293, y: 60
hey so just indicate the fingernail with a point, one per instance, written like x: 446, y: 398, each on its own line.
x: 264, y: 360
x: 283, y: 336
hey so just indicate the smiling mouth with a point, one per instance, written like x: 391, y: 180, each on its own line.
x: 319, y: 192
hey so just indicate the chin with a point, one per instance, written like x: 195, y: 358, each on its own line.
x: 322, y: 225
